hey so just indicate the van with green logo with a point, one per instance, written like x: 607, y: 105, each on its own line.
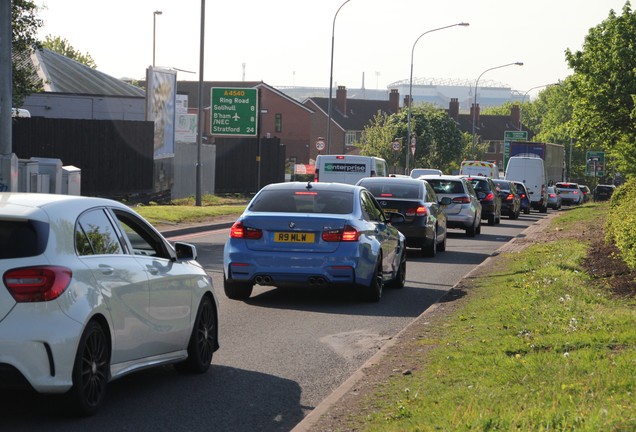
x: 348, y: 168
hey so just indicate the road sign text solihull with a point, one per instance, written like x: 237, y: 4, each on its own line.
x: 234, y: 111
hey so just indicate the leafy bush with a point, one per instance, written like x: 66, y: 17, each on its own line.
x: 621, y: 222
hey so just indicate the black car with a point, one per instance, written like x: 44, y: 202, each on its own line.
x: 425, y: 217
x: 490, y: 200
x: 603, y: 192
x: 510, y: 200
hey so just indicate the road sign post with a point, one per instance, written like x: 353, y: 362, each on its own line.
x: 234, y: 111
x: 595, y: 164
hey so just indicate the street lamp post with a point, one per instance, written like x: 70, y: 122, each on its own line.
x: 523, y: 99
x: 154, y: 32
x: 475, y: 102
x: 200, y: 126
x: 408, y: 135
x: 329, y: 106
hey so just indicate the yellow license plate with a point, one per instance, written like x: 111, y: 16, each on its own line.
x: 294, y: 237
x: 391, y: 210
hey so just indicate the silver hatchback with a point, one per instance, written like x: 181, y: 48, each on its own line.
x: 464, y: 211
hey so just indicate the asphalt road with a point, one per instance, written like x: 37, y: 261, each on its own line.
x: 282, y: 351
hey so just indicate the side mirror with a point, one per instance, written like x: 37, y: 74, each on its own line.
x: 392, y: 217
x: 445, y: 201
x: 185, y: 251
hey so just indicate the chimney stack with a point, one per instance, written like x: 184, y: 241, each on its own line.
x: 475, y: 109
x: 394, y: 101
x: 515, y: 116
x: 406, y: 101
x: 453, y: 109
x: 341, y: 99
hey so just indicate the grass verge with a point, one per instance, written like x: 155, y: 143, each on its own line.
x: 185, y: 211
x: 540, y: 346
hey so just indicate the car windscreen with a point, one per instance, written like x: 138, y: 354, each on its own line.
x: 503, y: 185
x: 303, y: 201
x: 394, y: 190
x: 446, y: 186
x: 20, y: 239
x: 567, y: 186
x: 480, y: 185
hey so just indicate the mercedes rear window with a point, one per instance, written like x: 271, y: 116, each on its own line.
x: 303, y: 201
x: 20, y: 239
x: 394, y: 190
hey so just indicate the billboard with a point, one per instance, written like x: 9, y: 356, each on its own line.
x: 161, y: 95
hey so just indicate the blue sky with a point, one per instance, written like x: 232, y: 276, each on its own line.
x: 288, y: 42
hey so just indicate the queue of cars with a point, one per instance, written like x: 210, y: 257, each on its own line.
x: 356, y: 235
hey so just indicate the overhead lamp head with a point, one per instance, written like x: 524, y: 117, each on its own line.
x: 158, y: 12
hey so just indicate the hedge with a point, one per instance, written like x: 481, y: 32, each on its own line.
x: 621, y: 222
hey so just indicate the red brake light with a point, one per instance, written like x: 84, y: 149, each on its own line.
x: 239, y: 230
x: 346, y: 234
x: 552, y: 195
x: 489, y: 197
x: 510, y: 197
x: 340, y: 157
x: 575, y: 192
x: 37, y: 284
x: 419, y: 211
x: 386, y: 194
x: 461, y: 200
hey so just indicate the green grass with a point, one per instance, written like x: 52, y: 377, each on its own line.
x: 539, y: 347
x: 185, y: 211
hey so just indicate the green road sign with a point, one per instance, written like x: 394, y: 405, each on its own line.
x: 595, y: 164
x: 512, y: 136
x: 234, y: 111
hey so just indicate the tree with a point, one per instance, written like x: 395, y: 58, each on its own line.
x: 63, y: 47
x: 24, y: 26
x: 602, y: 88
x: 440, y: 144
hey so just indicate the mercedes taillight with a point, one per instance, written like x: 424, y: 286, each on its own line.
x: 37, y: 284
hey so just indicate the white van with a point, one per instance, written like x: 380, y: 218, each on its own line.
x: 479, y: 168
x: 348, y: 168
x: 531, y: 172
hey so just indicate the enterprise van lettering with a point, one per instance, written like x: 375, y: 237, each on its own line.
x: 345, y: 167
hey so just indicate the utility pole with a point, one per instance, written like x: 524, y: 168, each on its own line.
x: 8, y: 160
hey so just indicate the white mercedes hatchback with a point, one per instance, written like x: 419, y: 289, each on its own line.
x: 90, y: 292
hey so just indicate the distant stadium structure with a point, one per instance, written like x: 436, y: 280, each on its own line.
x: 436, y: 91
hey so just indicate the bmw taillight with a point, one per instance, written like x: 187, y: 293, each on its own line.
x: 461, y: 200
x: 239, y: 230
x: 346, y: 234
x: 419, y: 211
x: 37, y: 284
